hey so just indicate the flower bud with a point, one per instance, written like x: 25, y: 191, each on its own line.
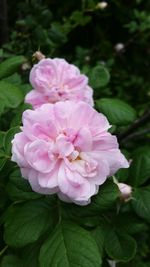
x: 38, y: 55
x: 102, y: 5
x: 119, y: 47
x: 126, y: 191
x: 25, y: 66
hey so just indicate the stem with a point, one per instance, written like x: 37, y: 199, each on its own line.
x: 138, y: 123
x: 137, y: 135
x: 3, y: 250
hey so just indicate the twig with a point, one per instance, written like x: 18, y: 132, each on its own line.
x: 137, y: 135
x: 3, y: 250
x: 138, y: 123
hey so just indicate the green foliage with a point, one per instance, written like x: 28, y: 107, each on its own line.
x: 68, y: 246
x: 141, y: 202
x: 120, y: 247
x: 11, y: 260
x: 118, y: 112
x: 26, y: 223
x: 99, y: 77
x: 140, y: 167
x: 11, y: 65
x: 8, y: 139
x: 19, y: 189
x: 99, y: 235
x: 10, y: 96
x: 140, y: 23
x: 104, y: 200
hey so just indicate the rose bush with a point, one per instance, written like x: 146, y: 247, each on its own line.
x: 38, y: 229
x: 66, y: 151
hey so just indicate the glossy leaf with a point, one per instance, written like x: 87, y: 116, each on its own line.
x: 26, y: 223
x: 141, y: 202
x: 120, y: 247
x: 117, y: 111
x: 140, y: 166
x: 69, y: 246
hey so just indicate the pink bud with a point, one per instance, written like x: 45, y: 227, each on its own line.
x: 126, y: 191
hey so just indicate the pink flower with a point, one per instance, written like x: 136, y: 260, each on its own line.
x: 65, y: 148
x: 56, y: 80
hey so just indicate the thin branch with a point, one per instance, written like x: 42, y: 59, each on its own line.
x: 137, y: 135
x: 138, y: 123
x: 3, y: 250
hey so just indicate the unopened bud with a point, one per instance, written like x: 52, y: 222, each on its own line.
x: 38, y: 55
x: 101, y: 5
x: 119, y: 47
x: 87, y: 58
x: 25, y: 66
x: 125, y: 190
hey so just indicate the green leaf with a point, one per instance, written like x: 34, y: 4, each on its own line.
x: 57, y: 34
x: 3, y: 158
x: 140, y: 166
x: 107, y: 196
x: 11, y: 261
x: 19, y: 189
x: 10, y: 95
x: 2, y: 107
x: 69, y: 246
x: 2, y: 135
x: 120, y: 247
x: 2, y: 163
x: 26, y: 223
x: 8, y: 138
x: 99, y: 77
x: 30, y: 255
x: 128, y: 223
x: 90, y: 221
x: 11, y: 65
x: 117, y: 111
x: 141, y: 202
x: 78, y: 18
x: 99, y: 235
x: 137, y: 262
x: 15, y: 79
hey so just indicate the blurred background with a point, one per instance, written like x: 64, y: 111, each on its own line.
x: 113, y: 34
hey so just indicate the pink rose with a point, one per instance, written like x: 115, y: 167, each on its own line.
x: 65, y: 148
x: 56, y: 80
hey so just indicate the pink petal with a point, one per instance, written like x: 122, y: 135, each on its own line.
x: 83, y: 141
x: 37, y: 156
